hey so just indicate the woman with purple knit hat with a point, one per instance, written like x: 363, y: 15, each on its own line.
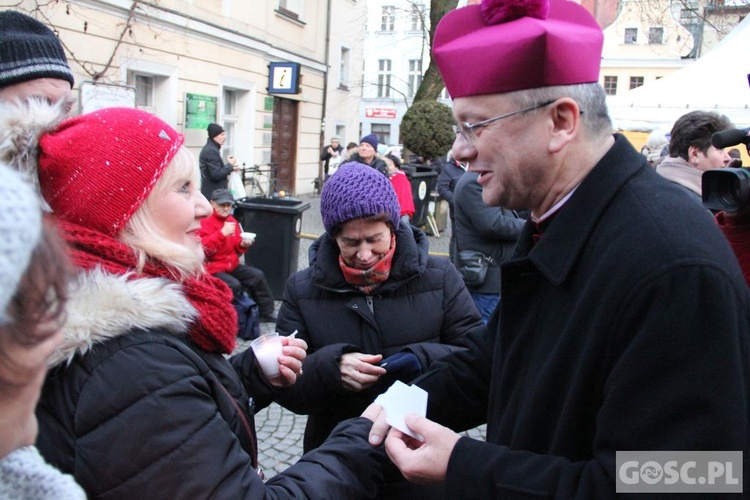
x: 373, y: 306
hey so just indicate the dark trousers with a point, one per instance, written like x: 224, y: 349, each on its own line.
x: 254, y: 282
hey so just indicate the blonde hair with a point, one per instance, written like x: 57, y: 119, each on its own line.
x: 142, y: 235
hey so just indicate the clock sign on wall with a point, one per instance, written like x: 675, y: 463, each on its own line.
x: 283, y: 78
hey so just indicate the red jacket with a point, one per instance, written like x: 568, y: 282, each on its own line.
x: 221, y: 251
x: 737, y: 231
x: 402, y: 186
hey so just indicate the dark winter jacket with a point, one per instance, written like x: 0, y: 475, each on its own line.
x: 133, y: 409
x: 626, y: 327
x: 450, y: 172
x: 480, y: 227
x: 376, y: 163
x: 214, y: 171
x: 423, y: 308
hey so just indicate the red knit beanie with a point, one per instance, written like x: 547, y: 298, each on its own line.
x: 96, y: 169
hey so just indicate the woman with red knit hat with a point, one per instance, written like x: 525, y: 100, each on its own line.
x: 141, y: 400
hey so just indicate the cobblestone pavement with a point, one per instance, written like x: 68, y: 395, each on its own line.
x: 280, y: 431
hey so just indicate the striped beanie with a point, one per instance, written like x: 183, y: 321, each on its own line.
x: 29, y: 50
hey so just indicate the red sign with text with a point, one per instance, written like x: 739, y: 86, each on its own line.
x: 380, y: 112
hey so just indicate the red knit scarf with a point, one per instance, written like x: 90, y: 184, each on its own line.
x: 215, y: 330
x: 366, y: 280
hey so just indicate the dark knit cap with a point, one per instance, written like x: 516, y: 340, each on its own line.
x: 29, y: 50
x: 214, y: 129
x: 371, y: 139
x: 355, y: 191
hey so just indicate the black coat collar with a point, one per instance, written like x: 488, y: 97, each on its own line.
x: 557, y: 251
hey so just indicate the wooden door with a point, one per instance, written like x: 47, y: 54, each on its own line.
x: 284, y: 143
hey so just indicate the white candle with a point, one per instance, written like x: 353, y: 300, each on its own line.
x: 267, y: 349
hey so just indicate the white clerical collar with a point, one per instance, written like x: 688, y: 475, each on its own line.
x: 549, y: 213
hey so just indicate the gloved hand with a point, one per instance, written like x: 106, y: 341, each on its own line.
x: 403, y: 366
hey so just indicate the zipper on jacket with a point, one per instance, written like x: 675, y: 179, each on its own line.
x: 249, y: 430
x: 368, y: 298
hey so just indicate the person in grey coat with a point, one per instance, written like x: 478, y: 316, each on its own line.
x: 490, y: 230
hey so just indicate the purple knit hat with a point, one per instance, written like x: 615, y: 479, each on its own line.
x: 354, y: 191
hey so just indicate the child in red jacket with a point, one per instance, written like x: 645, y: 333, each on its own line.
x: 220, y: 234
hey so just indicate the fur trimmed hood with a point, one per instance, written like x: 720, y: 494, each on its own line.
x: 103, y: 306
x: 21, y: 126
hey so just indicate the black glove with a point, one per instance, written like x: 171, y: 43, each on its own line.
x: 403, y: 366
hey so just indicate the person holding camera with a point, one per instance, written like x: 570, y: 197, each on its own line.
x: 691, y: 152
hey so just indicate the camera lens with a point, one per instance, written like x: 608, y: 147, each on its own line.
x: 730, y: 193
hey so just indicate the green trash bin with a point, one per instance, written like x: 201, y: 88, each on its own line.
x: 277, y: 223
x: 423, y: 182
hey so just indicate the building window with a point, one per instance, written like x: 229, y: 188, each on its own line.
x: 635, y: 82
x: 631, y: 35
x: 384, y: 78
x: 383, y: 131
x: 144, y: 90
x: 388, y: 18
x: 656, y: 35
x: 341, y: 133
x: 610, y: 85
x: 291, y: 8
x: 417, y: 17
x: 689, y: 16
x: 415, y: 76
x: 344, y: 68
x: 229, y: 121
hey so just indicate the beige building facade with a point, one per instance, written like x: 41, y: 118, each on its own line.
x: 650, y: 39
x: 258, y: 68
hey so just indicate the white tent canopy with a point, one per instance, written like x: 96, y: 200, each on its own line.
x: 718, y: 81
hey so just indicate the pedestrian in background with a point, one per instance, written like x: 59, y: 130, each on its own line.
x: 691, y: 152
x: 34, y: 273
x: 214, y: 172
x: 141, y: 400
x: 621, y: 300
x: 368, y: 154
x: 331, y: 155
x: 223, y: 244
x: 402, y: 187
x: 490, y: 232
x: 450, y: 172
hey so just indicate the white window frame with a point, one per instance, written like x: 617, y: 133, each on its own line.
x: 165, y: 97
x: 388, y: 18
x: 417, y: 17
x: 345, y: 55
x: 415, y: 76
x: 384, y: 77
